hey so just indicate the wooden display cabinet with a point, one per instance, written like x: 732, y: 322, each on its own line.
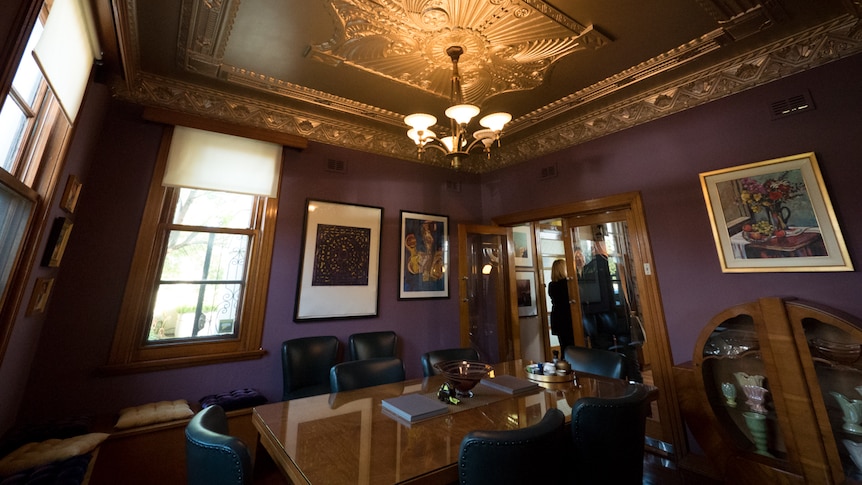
x: 773, y: 393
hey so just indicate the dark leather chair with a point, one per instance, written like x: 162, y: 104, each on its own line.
x: 607, y: 445
x: 305, y: 365
x: 527, y: 455
x: 372, y: 345
x: 595, y: 361
x: 355, y: 374
x: 428, y: 359
x: 212, y: 456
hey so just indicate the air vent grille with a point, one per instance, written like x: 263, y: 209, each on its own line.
x: 548, y: 172
x: 792, y: 105
x: 453, y: 186
x: 337, y: 166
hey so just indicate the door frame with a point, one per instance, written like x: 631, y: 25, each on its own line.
x: 670, y: 428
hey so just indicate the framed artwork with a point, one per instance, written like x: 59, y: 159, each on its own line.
x: 424, y: 256
x: 523, y: 239
x: 340, y: 262
x: 774, y: 216
x: 57, y: 240
x: 70, y: 194
x: 525, y: 287
x: 39, y: 298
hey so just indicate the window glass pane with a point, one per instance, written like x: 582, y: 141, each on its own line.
x: 28, y: 77
x: 12, y: 124
x: 200, y: 256
x: 194, y: 310
x: 214, y: 209
x: 13, y: 221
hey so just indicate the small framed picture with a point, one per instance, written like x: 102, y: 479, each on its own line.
x: 525, y: 286
x: 57, y: 240
x: 424, y: 256
x: 523, y: 239
x: 39, y: 297
x: 70, y: 195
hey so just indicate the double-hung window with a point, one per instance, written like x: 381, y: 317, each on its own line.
x: 196, y: 293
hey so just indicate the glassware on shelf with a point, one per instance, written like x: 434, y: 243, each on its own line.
x: 756, y: 423
x: 756, y: 398
x: 840, y: 352
x: 729, y: 392
x: 852, y: 409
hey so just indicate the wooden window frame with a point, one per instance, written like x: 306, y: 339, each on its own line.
x: 130, y: 351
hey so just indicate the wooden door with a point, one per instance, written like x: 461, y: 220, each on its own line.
x: 486, y: 275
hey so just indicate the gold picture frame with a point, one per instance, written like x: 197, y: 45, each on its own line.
x: 774, y: 216
x: 39, y: 298
x: 69, y: 201
x: 57, y: 240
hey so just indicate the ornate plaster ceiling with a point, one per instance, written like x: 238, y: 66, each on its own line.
x: 345, y: 72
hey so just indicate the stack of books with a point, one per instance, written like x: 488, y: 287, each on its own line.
x: 510, y: 384
x: 414, y: 407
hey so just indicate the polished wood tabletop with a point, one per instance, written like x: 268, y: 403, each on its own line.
x: 346, y: 437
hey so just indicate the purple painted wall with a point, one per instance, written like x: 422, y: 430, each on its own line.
x: 662, y: 160
x: 80, y: 324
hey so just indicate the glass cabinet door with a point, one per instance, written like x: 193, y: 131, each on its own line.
x: 738, y: 387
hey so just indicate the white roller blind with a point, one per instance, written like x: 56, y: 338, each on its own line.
x: 66, y: 50
x: 214, y: 161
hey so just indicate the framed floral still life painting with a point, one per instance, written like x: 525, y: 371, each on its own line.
x: 774, y: 216
x: 340, y: 262
x: 424, y: 256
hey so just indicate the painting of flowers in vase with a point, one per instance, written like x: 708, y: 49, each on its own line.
x: 774, y: 216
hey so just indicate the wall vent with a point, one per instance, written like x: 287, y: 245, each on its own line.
x: 453, y: 186
x: 792, y: 105
x: 548, y: 172
x: 337, y: 166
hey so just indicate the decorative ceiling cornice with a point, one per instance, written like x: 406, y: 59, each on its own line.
x: 337, y: 121
x: 814, y: 47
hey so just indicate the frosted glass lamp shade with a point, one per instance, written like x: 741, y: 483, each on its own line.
x: 414, y: 135
x: 495, y: 121
x: 420, y: 121
x: 462, y: 113
x: 449, y: 143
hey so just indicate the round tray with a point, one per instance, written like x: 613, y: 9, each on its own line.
x: 545, y: 378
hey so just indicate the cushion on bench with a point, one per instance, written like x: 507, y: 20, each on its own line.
x: 155, y: 412
x: 236, y: 399
x: 34, y: 455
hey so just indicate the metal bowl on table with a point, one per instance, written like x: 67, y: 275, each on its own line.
x: 463, y: 375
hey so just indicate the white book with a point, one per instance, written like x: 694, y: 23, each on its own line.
x: 414, y: 407
x: 510, y: 384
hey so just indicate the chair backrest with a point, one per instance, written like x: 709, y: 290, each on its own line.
x: 442, y: 355
x: 527, y: 455
x: 212, y: 456
x: 305, y: 365
x: 355, y: 374
x: 608, y: 438
x: 372, y: 345
x: 595, y: 361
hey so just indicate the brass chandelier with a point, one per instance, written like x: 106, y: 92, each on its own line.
x: 457, y: 146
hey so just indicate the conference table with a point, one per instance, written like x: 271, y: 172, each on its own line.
x: 346, y: 437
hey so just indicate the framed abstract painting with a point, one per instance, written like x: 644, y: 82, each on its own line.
x: 424, y: 251
x: 340, y: 262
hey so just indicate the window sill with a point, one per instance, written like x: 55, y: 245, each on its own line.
x: 178, y: 362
